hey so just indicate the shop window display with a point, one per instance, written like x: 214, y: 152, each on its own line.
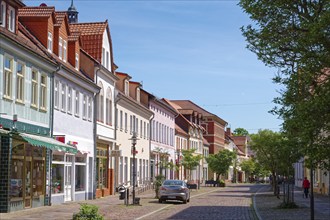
x: 57, y: 178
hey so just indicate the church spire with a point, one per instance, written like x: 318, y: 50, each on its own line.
x: 72, y: 13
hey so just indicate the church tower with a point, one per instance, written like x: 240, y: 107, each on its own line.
x: 72, y: 13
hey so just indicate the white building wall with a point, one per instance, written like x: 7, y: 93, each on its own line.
x: 125, y: 145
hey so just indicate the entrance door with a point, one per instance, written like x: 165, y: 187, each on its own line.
x: 28, y: 183
x: 68, y: 179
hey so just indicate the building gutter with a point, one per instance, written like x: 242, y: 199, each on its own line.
x: 95, y: 135
x: 51, y: 124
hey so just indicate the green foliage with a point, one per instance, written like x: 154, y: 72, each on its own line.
x: 88, y: 212
x: 274, y: 152
x: 222, y: 183
x: 190, y: 160
x: 220, y: 162
x: 158, y: 182
x: 248, y: 166
x: 293, y: 36
x: 240, y: 132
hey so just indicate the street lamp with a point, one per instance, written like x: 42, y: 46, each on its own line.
x: 134, y: 140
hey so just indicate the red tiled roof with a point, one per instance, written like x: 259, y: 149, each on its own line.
x: 91, y: 36
x: 60, y: 17
x: 25, y: 39
x: 42, y: 11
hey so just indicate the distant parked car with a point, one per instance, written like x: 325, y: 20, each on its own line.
x: 174, y: 190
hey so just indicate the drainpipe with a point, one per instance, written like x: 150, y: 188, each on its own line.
x: 51, y: 125
x: 95, y: 136
x: 117, y: 99
x: 150, y: 129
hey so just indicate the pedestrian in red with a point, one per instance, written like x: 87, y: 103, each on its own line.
x: 306, y: 185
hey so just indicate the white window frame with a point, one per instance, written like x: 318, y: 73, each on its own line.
x: 76, y: 105
x: 20, y: 82
x: 77, y: 61
x: 60, y: 48
x: 121, y: 120
x: 43, y: 91
x: 126, y: 87
x: 63, y: 97
x: 90, y: 109
x: 138, y: 95
x: 50, y: 42
x: 125, y: 121
x: 100, y: 103
x: 103, y: 56
x: 84, y: 107
x: 34, y: 88
x: 11, y: 19
x: 107, y: 59
x: 8, y: 78
x: 69, y: 109
x: 108, y: 107
x: 65, y: 51
x: 56, y: 94
x: 3, y: 14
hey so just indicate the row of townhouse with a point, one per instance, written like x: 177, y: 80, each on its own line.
x: 67, y: 116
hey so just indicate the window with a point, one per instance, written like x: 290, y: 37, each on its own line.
x: 69, y: 100
x: 126, y: 88
x: 125, y: 122
x: 12, y: 19
x: 65, y: 51
x: 50, y: 42
x: 77, y: 103
x: 136, y: 127
x: 107, y: 61
x: 34, y: 88
x: 103, y: 56
x: 20, y: 82
x: 130, y: 124
x: 8, y: 77
x: 43, y: 92
x: 60, y: 48
x: 109, y: 107
x: 85, y: 107
x: 63, y: 97
x: 90, y: 111
x: 56, y: 94
x: 100, y: 103
x: 121, y: 120
x: 141, y: 128
x: 3, y: 14
x: 138, y: 94
x: 77, y: 61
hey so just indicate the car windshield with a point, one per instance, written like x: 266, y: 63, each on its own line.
x: 172, y: 183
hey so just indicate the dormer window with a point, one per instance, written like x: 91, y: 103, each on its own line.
x: 3, y: 14
x: 138, y: 94
x: 50, y: 42
x: 126, y: 87
x: 77, y: 61
x: 60, y: 48
x: 65, y: 44
x: 11, y: 19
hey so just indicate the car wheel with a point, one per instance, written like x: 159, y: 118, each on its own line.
x: 160, y: 201
x: 188, y: 200
x: 185, y: 201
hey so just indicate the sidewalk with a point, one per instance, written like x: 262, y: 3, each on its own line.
x: 266, y: 206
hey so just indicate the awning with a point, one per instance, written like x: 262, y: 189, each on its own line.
x: 47, y: 142
x: 2, y: 131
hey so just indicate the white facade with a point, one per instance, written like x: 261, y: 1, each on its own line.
x: 73, y: 125
x: 132, y: 117
x: 162, y: 139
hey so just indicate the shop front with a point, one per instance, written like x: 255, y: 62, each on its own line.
x: 25, y: 170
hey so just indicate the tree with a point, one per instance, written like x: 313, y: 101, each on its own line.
x: 293, y: 36
x: 219, y: 163
x: 190, y: 161
x: 248, y: 166
x: 274, y: 152
x: 240, y: 132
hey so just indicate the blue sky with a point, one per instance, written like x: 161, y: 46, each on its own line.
x: 188, y: 50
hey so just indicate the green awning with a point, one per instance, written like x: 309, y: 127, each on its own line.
x: 47, y: 142
x: 2, y: 131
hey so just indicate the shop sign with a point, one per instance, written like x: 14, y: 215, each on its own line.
x: 115, y: 153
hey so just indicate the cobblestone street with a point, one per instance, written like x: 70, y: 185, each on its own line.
x: 236, y: 201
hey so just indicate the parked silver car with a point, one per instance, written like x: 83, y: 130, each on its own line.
x: 174, y: 190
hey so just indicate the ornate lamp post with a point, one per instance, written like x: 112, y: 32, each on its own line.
x: 134, y: 140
